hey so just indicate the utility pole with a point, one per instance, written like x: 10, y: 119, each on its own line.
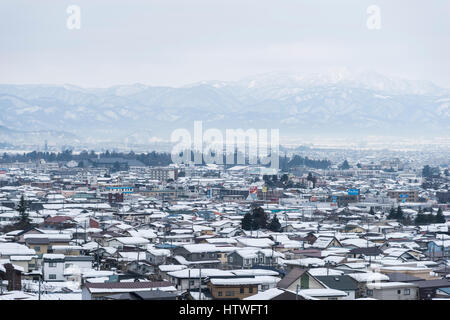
x: 200, y: 283
x: 98, y: 255
x: 137, y: 264
x: 39, y: 295
x: 189, y: 281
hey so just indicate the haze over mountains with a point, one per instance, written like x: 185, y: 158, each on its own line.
x: 338, y: 104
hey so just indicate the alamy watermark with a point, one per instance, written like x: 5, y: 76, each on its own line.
x: 374, y: 19
x: 237, y: 146
x: 74, y: 18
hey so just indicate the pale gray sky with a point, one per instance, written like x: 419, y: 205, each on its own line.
x: 174, y: 42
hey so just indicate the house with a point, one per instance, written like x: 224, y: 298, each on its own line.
x: 42, y: 243
x: 250, y: 257
x: 364, y: 278
x: 9, y: 249
x: 53, y: 267
x: 131, y: 242
x: 143, y: 295
x: 101, y: 291
x: 75, y: 266
x: 28, y: 263
x: 240, y: 287
x: 393, y: 291
x: 157, y: 257
x: 342, y: 283
x: 201, y: 254
x: 428, y: 288
x: 438, y: 248
x: 19, y: 236
x: 323, y: 294
x: 364, y: 252
x: 186, y: 279
x: 233, y: 288
x: 255, y: 242
x: 58, y: 223
x: 58, y: 267
x: 299, y: 278
x: 278, y: 294
x: 324, y: 242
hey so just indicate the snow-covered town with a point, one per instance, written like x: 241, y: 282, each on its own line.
x: 116, y: 229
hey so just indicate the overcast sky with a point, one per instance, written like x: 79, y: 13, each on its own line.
x: 175, y: 42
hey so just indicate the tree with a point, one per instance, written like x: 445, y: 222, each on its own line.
x: 392, y: 213
x: 420, y: 219
x: 312, y: 178
x: 254, y: 220
x: 22, y: 208
x: 116, y: 166
x: 426, y: 171
x: 259, y: 218
x: 399, y: 213
x: 247, y: 221
x: 345, y: 165
x: 274, y: 224
x: 439, y: 218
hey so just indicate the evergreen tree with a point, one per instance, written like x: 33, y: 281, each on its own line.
x: 22, y: 209
x: 439, y: 218
x: 345, y: 165
x: 420, y: 219
x: 399, y: 213
x: 259, y: 218
x: 247, y: 221
x: 392, y: 214
x: 426, y: 171
x: 274, y: 224
x: 116, y: 167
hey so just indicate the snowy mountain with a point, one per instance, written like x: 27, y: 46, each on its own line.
x: 340, y: 103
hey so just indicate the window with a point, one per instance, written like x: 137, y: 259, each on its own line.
x: 250, y: 290
x: 219, y: 293
x: 369, y: 293
x: 37, y: 248
x: 407, y: 292
x: 191, y: 282
x: 241, y: 290
x: 265, y: 287
x: 52, y: 276
x: 399, y: 291
x: 229, y: 293
x: 332, y: 298
x: 230, y: 259
x: 52, y: 264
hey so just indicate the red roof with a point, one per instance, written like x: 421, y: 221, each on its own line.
x: 58, y: 219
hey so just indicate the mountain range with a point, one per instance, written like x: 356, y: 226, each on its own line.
x: 334, y: 104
